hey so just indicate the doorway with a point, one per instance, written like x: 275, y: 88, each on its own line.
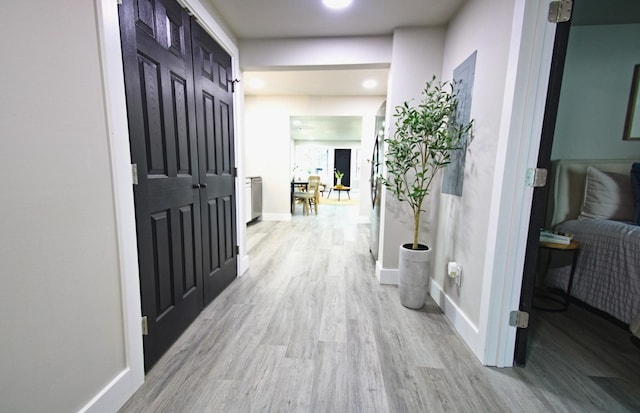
x: 590, y: 54
x: 342, y: 163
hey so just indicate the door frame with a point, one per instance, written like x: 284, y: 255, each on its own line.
x: 131, y: 377
x: 525, y: 98
x: 540, y: 194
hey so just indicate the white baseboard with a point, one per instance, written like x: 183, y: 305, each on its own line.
x: 115, y: 394
x: 467, y: 330
x: 244, y: 265
x: 386, y: 276
x: 276, y: 217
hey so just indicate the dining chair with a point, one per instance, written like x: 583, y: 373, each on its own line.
x: 310, y: 197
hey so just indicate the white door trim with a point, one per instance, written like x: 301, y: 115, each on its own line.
x: 518, y: 146
x: 127, y: 381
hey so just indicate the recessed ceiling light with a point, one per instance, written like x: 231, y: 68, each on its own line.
x: 369, y: 84
x: 336, y: 4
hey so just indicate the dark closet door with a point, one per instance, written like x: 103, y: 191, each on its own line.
x: 342, y: 163
x: 159, y: 87
x: 216, y: 161
x: 180, y: 127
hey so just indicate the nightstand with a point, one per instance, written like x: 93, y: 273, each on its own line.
x: 562, y: 298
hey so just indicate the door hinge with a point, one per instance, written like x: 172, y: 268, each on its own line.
x: 145, y: 326
x: 536, y: 177
x: 560, y: 11
x: 519, y: 319
x: 134, y: 173
x: 233, y: 85
x: 237, y: 249
x: 235, y: 172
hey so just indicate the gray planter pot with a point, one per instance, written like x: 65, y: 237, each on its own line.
x: 413, y: 275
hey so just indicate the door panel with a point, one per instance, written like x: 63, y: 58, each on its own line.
x: 161, y: 109
x: 216, y: 161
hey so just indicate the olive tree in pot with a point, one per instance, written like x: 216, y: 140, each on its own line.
x: 425, y: 137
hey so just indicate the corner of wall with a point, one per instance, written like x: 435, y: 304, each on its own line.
x: 386, y: 276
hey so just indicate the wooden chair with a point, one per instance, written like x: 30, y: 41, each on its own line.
x: 311, y: 197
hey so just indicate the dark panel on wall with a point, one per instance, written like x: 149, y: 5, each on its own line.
x: 463, y: 77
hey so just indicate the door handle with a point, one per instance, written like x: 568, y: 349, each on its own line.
x: 196, y: 186
x: 203, y: 185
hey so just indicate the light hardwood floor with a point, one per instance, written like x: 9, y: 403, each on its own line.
x: 309, y: 329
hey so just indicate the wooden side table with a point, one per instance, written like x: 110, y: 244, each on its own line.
x: 574, y: 248
x: 339, y: 189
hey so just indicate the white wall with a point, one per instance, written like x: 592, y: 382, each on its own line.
x: 62, y: 324
x: 269, y: 149
x: 417, y: 57
x: 462, y: 225
x: 457, y: 227
x: 595, y: 93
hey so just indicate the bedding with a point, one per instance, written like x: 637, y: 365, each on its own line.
x: 606, y: 275
x: 596, y: 200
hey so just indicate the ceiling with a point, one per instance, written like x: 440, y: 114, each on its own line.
x: 260, y: 19
x: 279, y: 19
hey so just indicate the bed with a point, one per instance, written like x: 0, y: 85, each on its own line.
x: 595, y: 201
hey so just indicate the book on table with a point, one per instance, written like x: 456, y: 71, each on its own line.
x: 555, y: 237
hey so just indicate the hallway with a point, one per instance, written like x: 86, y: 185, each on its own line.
x: 309, y: 329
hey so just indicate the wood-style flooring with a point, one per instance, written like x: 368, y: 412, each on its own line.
x: 309, y: 329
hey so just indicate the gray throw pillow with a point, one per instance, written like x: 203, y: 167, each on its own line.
x: 608, y: 195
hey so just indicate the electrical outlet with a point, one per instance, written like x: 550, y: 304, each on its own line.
x: 452, y: 269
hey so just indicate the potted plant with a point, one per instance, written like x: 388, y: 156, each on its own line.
x: 338, y: 176
x: 425, y: 137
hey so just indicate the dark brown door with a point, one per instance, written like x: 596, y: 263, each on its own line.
x: 342, y: 163
x: 216, y: 161
x: 172, y: 215
x: 540, y: 194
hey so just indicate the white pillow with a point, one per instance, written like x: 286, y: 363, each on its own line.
x: 608, y: 195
